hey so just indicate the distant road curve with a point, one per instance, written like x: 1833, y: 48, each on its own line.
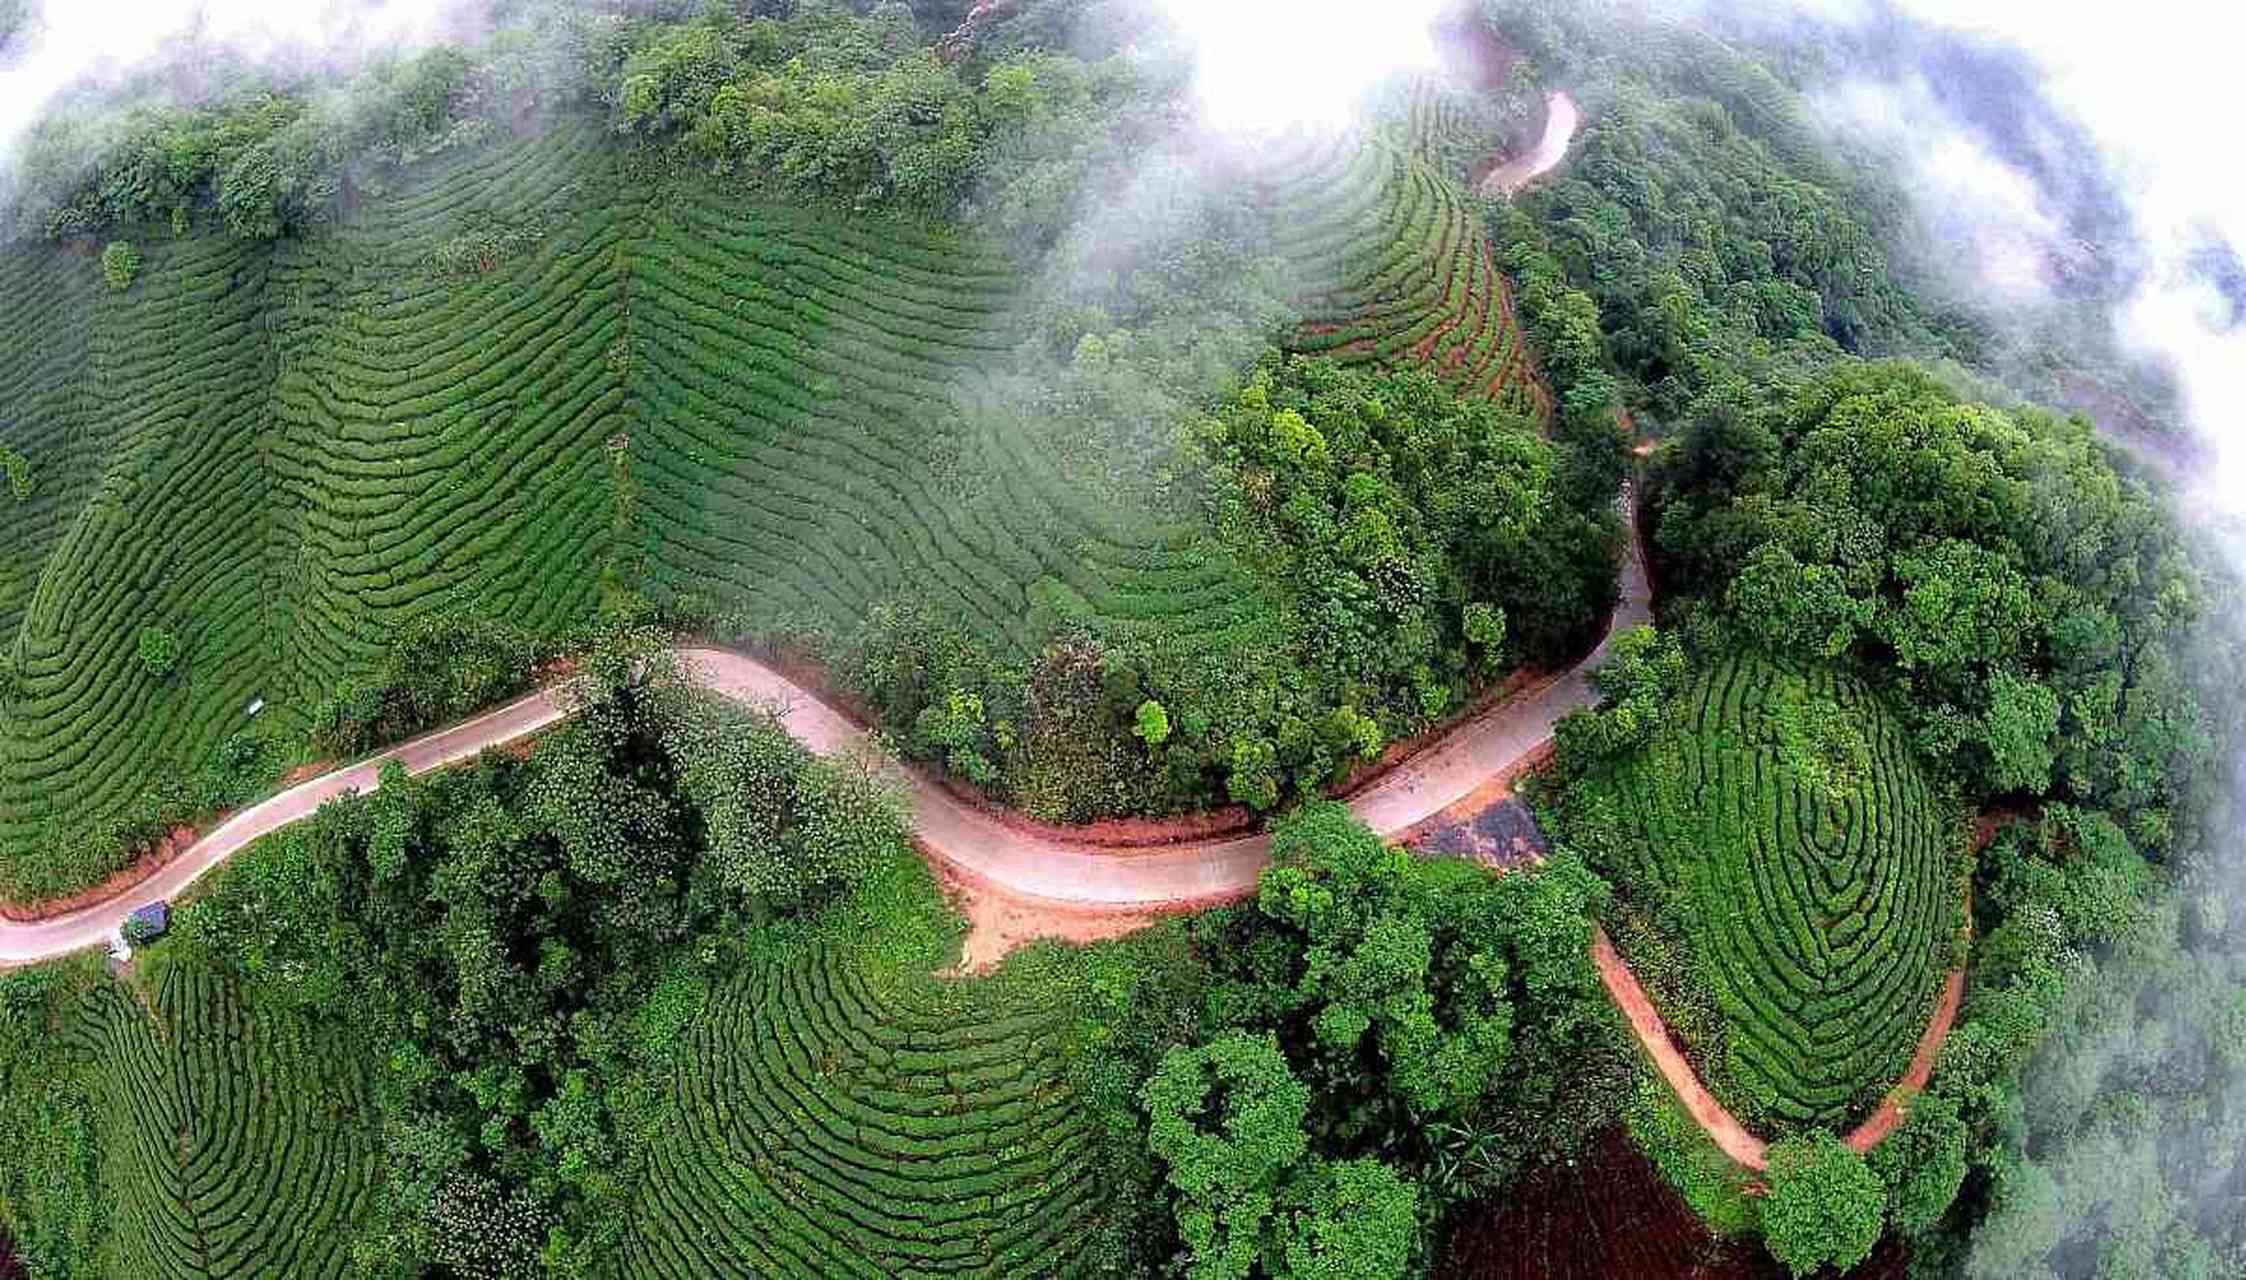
x: 1561, y: 119
x: 949, y: 829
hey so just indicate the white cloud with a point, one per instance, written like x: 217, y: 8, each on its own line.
x: 71, y: 41
x: 1979, y: 216
x: 2152, y: 84
x: 1270, y: 65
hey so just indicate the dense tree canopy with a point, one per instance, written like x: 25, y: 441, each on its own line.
x: 1824, y: 1205
x: 1429, y: 1028
x: 2025, y: 593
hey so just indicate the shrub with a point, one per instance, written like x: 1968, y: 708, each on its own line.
x: 120, y: 262
x: 1824, y: 1207
x: 1151, y: 724
x: 18, y: 468
x: 159, y: 651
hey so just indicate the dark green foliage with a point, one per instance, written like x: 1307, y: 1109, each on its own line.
x: 1644, y: 672
x: 1923, y: 1163
x: 1385, y: 509
x: 261, y: 159
x: 1700, y: 285
x: 1227, y: 1118
x: 1380, y: 1030
x: 1387, y: 519
x: 2025, y: 597
x: 2095, y: 1068
x: 1355, y: 1218
x: 829, y: 105
x: 442, y: 668
x: 1774, y: 826
x: 1825, y: 1205
x: 777, y: 827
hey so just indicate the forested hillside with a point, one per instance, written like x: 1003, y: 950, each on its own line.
x: 948, y: 368
x: 526, y: 368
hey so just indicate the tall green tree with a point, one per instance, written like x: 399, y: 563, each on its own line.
x: 1825, y: 1205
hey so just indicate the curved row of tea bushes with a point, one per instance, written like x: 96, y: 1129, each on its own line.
x: 231, y: 1146
x: 439, y: 440
x: 796, y: 383
x: 171, y: 536
x: 1397, y: 268
x: 826, y: 1123
x: 1817, y: 881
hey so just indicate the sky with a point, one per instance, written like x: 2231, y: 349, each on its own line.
x: 1264, y: 65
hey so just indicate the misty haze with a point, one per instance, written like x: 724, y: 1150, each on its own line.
x: 1154, y: 638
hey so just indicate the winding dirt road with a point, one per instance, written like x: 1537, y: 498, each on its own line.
x: 949, y: 829
x: 1561, y: 119
x: 989, y: 850
x: 984, y: 849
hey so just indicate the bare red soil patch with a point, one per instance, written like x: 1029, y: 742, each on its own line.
x: 145, y: 863
x: 309, y: 769
x: 1883, y: 1121
x: 1000, y: 920
x: 1608, y: 1215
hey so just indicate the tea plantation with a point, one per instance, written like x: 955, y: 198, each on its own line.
x: 233, y: 1143
x: 513, y: 378
x: 1779, y: 828
x: 1397, y: 268
x: 826, y: 1120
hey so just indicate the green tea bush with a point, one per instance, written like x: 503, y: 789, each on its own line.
x: 1395, y: 269
x: 119, y: 263
x: 837, y: 1111
x: 166, y: 503
x: 234, y: 1141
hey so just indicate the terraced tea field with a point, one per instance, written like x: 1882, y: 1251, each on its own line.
x: 795, y: 446
x: 1396, y: 268
x: 42, y: 418
x: 514, y: 378
x: 231, y: 1146
x: 170, y: 531
x: 283, y: 455
x: 1785, y: 821
x: 829, y: 1120
x: 437, y: 438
